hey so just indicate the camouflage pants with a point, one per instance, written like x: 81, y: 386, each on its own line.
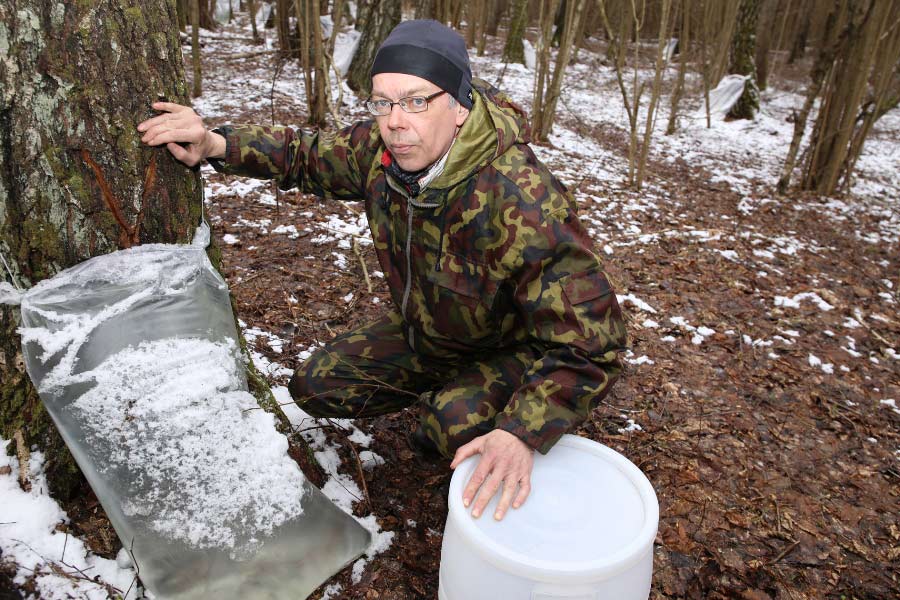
x: 372, y: 371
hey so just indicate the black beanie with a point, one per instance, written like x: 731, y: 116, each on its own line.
x: 430, y: 50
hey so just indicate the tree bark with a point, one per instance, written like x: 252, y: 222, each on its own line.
x: 664, y: 35
x: 868, y: 35
x: 77, y: 80
x: 743, y: 59
x: 514, y: 49
x: 798, y: 47
x: 195, y: 48
x: 573, y: 14
x: 251, y: 8
x: 382, y: 17
x: 684, y: 43
x: 764, y: 42
x: 542, y: 58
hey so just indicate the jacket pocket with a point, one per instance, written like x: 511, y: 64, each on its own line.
x: 459, y: 299
x: 585, y: 286
x: 592, y: 312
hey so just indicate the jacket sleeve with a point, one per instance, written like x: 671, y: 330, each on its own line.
x: 571, y: 314
x: 330, y: 165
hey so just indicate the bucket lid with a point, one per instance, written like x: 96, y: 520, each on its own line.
x: 590, y: 515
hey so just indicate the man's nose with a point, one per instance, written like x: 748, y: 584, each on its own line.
x: 397, y: 118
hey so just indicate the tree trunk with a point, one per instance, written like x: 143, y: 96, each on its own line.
x: 251, y: 8
x: 489, y: 7
x: 286, y: 38
x: 78, y: 78
x: 664, y: 35
x: 514, y: 50
x: 542, y: 58
x: 195, y: 48
x: 869, y: 33
x: 798, y: 48
x: 574, y: 12
x: 820, y: 71
x: 684, y: 44
x: 318, y: 104
x: 381, y: 19
x: 208, y: 15
x: 743, y: 59
x: 495, y: 13
x: 724, y: 16
x: 764, y: 42
x: 183, y: 10
x: 474, y: 9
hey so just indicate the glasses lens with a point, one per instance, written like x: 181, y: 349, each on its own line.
x: 379, y: 107
x: 414, y: 104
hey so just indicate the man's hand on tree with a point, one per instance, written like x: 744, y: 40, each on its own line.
x: 181, y: 125
x: 505, y: 460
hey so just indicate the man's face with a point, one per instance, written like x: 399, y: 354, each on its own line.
x: 416, y: 139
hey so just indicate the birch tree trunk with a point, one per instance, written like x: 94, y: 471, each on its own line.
x: 743, y: 59
x: 381, y: 18
x: 514, y: 49
x: 75, y: 181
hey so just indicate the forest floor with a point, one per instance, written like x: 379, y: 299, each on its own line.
x: 763, y: 376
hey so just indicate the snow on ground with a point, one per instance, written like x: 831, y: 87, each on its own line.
x: 31, y: 538
x: 340, y: 487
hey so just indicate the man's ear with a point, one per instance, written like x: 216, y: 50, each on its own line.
x: 461, y: 114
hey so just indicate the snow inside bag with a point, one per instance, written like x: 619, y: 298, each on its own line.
x: 726, y: 95
x: 135, y: 355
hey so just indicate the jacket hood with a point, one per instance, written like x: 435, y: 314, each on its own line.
x: 494, y: 124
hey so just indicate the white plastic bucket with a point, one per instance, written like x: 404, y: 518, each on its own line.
x: 586, y: 532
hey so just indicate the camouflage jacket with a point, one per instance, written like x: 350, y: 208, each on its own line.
x: 489, y: 256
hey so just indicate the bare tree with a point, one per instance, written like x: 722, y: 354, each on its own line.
x: 764, y: 31
x: 546, y: 13
x: 684, y: 44
x: 743, y: 59
x: 195, y: 48
x: 514, y: 49
x: 840, y: 128
x: 251, y: 9
x: 664, y: 35
x: 855, y: 76
x: 379, y: 20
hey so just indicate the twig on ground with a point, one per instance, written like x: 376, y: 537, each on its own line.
x: 359, y: 470
x: 362, y: 263
x: 785, y: 552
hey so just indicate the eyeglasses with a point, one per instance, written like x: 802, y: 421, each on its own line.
x: 410, y: 104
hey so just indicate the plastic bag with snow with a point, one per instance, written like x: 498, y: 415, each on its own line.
x: 726, y: 94
x: 135, y: 355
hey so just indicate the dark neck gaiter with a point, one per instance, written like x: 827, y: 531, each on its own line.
x: 409, y: 179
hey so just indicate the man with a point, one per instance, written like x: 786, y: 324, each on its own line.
x: 505, y: 331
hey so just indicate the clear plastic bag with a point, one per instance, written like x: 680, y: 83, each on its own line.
x: 135, y: 354
x: 725, y: 95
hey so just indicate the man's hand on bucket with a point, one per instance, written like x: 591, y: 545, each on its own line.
x: 505, y: 460
x: 181, y: 125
